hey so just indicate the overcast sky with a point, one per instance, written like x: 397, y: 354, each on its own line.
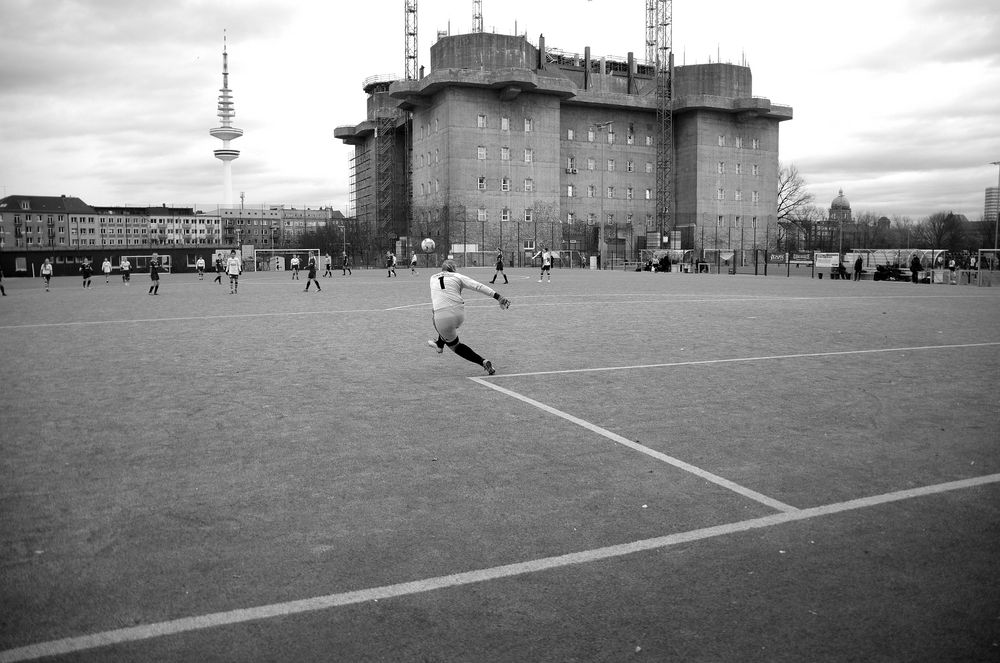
x: 897, y: 102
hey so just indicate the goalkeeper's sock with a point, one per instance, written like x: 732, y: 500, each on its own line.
x: 465, y: 352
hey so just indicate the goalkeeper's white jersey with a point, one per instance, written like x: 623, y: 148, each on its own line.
x: 446, y: 289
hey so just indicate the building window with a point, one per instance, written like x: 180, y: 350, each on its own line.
x: 591, y: 219
x: 755, y: 169
x: 739, y: 141
x: 504, y: 124
x: 481, y: 214
x: 755, y: 197
x: 628, y: 193
x: 753, y: 222
x: 722, y: 168
x: 722, y: 140
x: 649, y: 166
x: 527, y: 215
x: 529, y: 155
x: 482, y: 183
x: 570, y: 134
x: 590, y: 135
x: 649, y: 141
x: 437, y: 156
x: 611, y: 136
x: 570, y: 163
x: 481, y: 152
x: 721, y: 221
x: 720, y: 194
x: 609, y: 218
x: 569, y: 190
x: 591, y: 191
x: 611, y: 165
x: 570, y: 217
x: 505, y: 214
x: 630, y: 138
x: 591, y: 163
x: 481, y: 121
x: 629, y: 166
x: 529, y: 124
x: 739, y: 168
x: 529, y: 184
x: 755, y: 143
x: 505, y: 184
x: 737, y: 195
x: 738, y: 222
x: 504, y: 154
x: 611, y: 192
x: 649, y: 194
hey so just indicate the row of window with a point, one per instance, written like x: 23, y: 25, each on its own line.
x: 506, y: 214
x: 723, y: 168
x: 737, y: 222
x: 738, y: 142
x: 24, y: 243
x: 611, y: 165
x: 721, y: 194
x: 610, y: 192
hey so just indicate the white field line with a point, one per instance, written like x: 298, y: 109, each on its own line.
x: 213, y: 620
x: 703, y: 362
x: 625, y: 442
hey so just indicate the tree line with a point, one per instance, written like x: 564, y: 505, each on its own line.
x: 804, y: 226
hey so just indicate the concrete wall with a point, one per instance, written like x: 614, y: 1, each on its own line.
x: 483, y: 50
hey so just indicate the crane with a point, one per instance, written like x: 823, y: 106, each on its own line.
x: 477, y: 15
x: 659, y: 52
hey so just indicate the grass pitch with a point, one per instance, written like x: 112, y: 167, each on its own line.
x: 666, y: 467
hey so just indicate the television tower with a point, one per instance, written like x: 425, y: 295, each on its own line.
x: 226, y: 132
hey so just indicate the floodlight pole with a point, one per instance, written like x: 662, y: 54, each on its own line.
x: 600, y: 127
x: 996, y: 219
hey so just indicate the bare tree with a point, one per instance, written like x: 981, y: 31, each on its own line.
x: 944, y: 230
x: 792, y: 194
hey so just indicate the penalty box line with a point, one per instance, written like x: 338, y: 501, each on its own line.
x: 641, y: 448
x: 239, y: 616
x: 736, y: 360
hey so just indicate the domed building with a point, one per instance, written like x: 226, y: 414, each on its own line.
x: 840, y: 209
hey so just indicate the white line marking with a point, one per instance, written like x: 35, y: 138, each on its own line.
x: 618, y: 439
x: 187, y: 624
x: 702, y: 362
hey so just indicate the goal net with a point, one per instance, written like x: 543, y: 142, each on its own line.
x: 280, y: 260
x: 988, y: 267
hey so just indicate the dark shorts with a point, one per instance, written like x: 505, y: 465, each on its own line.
x: 546, y: 268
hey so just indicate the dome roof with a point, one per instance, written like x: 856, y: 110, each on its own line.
x: 840, y: 202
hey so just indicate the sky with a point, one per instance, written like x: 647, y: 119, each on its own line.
x: 897, y: 102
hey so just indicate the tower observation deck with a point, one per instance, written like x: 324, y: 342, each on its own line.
x: 227, y: 132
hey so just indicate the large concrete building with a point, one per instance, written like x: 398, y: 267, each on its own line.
x: 505, y: 144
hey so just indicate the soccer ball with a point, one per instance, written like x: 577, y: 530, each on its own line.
x: 427, y: 245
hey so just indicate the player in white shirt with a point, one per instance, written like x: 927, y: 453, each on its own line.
x: 46, y: 272
x: 200, y: 265
x: 234, y: 268
x: 126, y: 268
x: 546, y: 263
x: 448, y: 308
x: 295, y: 267
x: 106, y: 268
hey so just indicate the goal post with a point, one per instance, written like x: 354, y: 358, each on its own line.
x: 279, y: 260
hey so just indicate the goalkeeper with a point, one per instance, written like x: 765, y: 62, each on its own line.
x: 449, y: 311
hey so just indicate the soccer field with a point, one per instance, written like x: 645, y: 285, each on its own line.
x: 665, y: 467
